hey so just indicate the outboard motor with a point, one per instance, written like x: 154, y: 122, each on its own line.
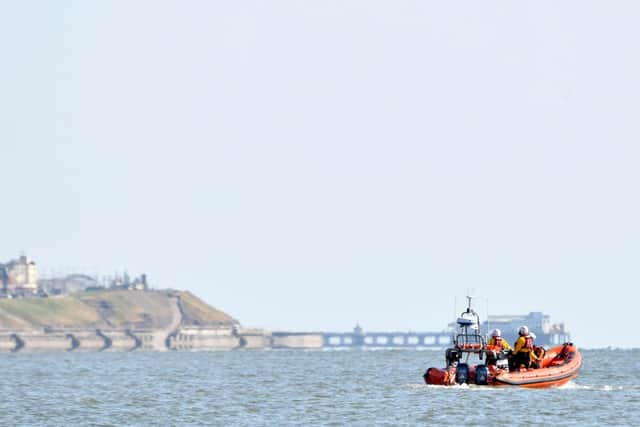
x: 482, y: 375
x: 452, y: 356
x: 462, y: 373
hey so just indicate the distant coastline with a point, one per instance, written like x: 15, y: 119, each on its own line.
x: 80, y: 312
x: 121, y: 320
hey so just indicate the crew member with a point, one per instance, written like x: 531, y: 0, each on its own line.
x: 537, y: 355
x: 523, y: 349
x: 496, y: 340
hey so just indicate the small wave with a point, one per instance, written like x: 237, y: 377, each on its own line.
x: 611, y: 388
x: 573, y: 386
x: 453, y: 387
x: 382, y: 348
x: 568, y: 386
x: 89, y: 401
x: 447, y: 387
x: 415, y: 386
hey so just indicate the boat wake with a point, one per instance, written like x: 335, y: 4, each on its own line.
x: 568, y: 386
x: 573, y: 386
x: 452, y: 387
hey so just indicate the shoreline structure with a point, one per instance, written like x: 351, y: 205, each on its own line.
x: 78, y: 312
x: 163, y: 321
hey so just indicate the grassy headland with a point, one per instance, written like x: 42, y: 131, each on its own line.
x: 108, y: 309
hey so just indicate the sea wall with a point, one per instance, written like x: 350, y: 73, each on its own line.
x: 89, y: 340
x: 8, y: 342
x: 183, y: 338
x: 190, y: 338
x: 297, y: 340
x: 119, y: 340
x: 147, y: 340
x: 254, y: 339
x: 43, y: 341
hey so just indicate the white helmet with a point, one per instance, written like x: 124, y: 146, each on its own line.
x: 524, y: 331
x: 496, y: 333
x: 532, y: 335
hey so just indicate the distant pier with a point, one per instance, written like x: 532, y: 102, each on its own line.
x: 358, y: 338
x: 548, y: 335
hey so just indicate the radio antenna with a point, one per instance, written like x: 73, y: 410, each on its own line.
x: 488, y: 325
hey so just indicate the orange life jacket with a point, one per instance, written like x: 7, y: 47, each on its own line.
x: 528, y: 343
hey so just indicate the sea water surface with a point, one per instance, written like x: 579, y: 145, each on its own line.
x: 292, y: 387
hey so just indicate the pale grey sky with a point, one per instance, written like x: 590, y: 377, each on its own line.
x: 305, y: 165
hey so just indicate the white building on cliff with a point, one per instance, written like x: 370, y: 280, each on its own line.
x: 19, y: 277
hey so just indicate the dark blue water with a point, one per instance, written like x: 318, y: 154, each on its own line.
x: 330, y: 388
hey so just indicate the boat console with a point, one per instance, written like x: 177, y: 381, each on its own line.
x: 467, y: 340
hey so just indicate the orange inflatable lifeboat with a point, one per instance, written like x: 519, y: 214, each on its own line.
x: 554, y: 367
x: 560, y: 365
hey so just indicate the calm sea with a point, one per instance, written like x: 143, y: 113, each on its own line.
x: 279, y: 388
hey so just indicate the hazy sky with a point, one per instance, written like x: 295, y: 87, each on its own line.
x: 306, y: 165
